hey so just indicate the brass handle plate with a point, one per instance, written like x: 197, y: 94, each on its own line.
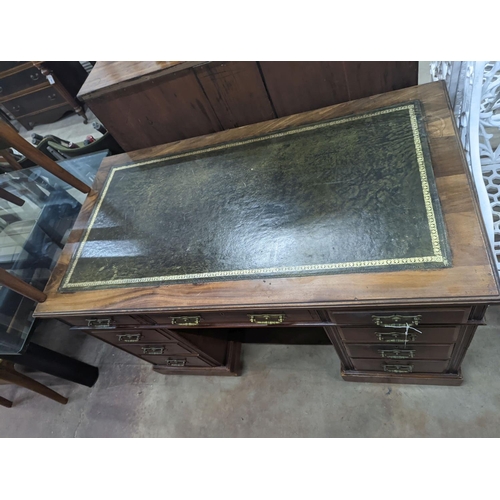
x: 267, y: 319
x: 176, y: 362
x: 99, y: 322
x: 129, y: 337
x: 398, y: 368
x: 396, y: 320
x: 396, y: 337
x: 186, y: 320
x: 397, y: 353
x: 153, y: 351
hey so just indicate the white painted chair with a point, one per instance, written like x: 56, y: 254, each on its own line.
x: 474, y: 88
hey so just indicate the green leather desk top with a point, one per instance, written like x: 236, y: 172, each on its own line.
x: 350, y: 195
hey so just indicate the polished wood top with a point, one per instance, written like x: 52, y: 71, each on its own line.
x: 108, y: 76
x: 471, y: 279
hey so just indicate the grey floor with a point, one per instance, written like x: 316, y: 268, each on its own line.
x: 284, y: 391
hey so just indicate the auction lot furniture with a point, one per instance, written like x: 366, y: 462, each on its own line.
x: 36, y: 92
x: 148, y: 103
x: 356, y: 221
x: 31, y: 238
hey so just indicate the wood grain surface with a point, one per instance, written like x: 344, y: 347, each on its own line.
x: 472, y: 279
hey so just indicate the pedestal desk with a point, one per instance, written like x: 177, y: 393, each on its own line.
x: 356, y: 223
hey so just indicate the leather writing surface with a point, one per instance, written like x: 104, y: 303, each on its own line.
x: 355, y: 194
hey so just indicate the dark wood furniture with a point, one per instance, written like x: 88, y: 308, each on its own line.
x: 145, y: 104
x: 36, y: 92
x: 402, y: 324
x: 8, y: 374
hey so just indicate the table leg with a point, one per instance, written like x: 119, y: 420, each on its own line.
x: 57, y: 364
x: 5, y: 402
x: 9, y: 374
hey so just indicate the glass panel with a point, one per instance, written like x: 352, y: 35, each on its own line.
x: 33, y: 235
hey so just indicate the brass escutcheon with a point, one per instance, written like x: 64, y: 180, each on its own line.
x: 398, y: 368
x: 267, y: 319
x: 129, y: 337
x: 186, y: 320
x: 397, y: 354
x: 98, y: 322
x: 396, y: 337
x: 153, y: 351
x: 397, y: 320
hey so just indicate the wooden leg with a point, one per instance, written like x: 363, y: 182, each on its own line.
x: 9, y: 158
x: 9, y: 374
x: 5, y: 402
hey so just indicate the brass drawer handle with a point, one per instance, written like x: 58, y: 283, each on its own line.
x: 396, y: 337
x: 267, y: 319
x: 176, y: 362
x: 397, y: 354
x: 129, y: 337
x: 99, y: 322
x: 398, y: 368
x: 396, y: 320
x: 186, y: 320
x: 153, y: 351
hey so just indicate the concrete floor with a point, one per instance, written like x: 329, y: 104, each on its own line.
x: 284, y: 391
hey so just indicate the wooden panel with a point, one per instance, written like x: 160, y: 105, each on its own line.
x: 12, y: 85
x: 157, y: 111
x: 452, y: 379
x: 236, y: 92
x: 419, y: 366
x: 235, y: 318
x: 31, y: 103
x: 427, y: 316
x: 389, y: 352
x: 429, y: 335
x: 156, y: 350
x: 175, y: 361
x: 376, y: 77
x: 295, y: 87
x: 121, y: 336
x: 107, y: 76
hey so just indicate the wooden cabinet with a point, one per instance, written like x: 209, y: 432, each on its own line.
x: 158, y: 264
x: 145, y: 104
x: 40, y: 92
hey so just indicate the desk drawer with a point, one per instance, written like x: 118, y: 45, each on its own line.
x: 412, y: 316
x: 235, y: 318
x: 156, y: 351
x: 400, y: 351
x: 400, y: 366
x: 177, y: 361
x: 377, y: 335
x: 120, y: 336
x: 103, y: 322
x: 34, y: 102
x: 20, y: 81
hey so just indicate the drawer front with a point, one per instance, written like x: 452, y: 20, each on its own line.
x: 34, y: 102
x: 122, y: 337
x: 400, y: 351
x: 177, y: 361
x: 20, y: 81
x: 400, y: 366
x: 400, y: 317
x: 102, y: 322
x: 157, y: 350
x: 235, y: 318
x: 392, y: 336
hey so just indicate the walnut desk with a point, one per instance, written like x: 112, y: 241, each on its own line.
x: 356, y: 221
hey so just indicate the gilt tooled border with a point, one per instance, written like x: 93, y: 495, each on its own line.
x: 431, y: 219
